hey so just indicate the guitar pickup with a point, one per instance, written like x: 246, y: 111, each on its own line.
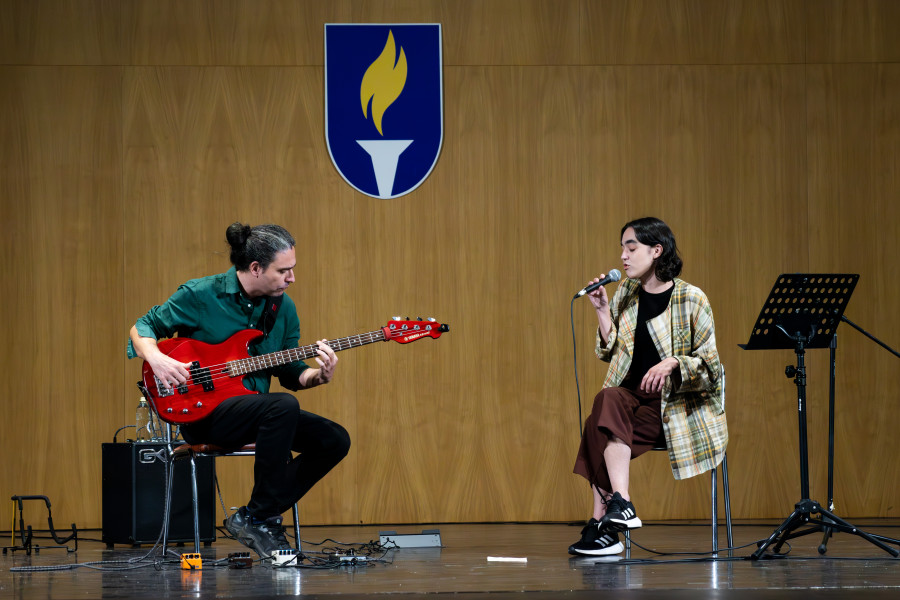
x: 202, y: 376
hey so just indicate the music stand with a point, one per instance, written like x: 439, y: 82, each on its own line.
x: 803, y: 311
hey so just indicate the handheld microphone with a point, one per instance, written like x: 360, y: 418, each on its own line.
x: 613, y: 275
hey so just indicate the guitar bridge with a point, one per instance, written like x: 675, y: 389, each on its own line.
x: 161, y: 390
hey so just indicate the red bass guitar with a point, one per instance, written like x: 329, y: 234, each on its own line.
x: 217, y: 370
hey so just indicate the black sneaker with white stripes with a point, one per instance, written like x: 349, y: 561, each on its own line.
x: 595, y: 543
x: 620, y: 515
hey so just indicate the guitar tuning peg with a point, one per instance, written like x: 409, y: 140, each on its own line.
x: 432, y: 319
x: 418, y: 318
x: 396, y: 319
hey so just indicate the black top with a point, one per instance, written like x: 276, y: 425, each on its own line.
x: 645, y: 354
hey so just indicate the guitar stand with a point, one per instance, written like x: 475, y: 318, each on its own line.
x: 801, y: 303
x: 27, y: 534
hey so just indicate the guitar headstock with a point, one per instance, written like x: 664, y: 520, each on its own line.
x: 406, y: 330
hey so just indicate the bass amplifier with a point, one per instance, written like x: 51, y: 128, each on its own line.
x: 134, y: 495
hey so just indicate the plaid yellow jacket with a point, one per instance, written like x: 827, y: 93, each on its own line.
x: 694, y: 414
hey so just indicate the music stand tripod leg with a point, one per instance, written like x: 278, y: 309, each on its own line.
x: 828, y: 531
x: 830, y: 522
x: 778, y: 537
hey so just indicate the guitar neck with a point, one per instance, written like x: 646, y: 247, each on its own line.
x: 282, y: 357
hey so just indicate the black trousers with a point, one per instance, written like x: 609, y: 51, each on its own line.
x: 277, y: 425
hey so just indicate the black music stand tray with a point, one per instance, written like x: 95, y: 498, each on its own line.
x: 803, y: 311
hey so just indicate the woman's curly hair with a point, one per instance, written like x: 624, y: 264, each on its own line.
x: 651, y: 231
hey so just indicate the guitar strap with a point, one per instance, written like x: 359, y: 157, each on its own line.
x: 269, y: 313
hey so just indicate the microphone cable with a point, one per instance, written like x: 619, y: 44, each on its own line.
x: 575, y: 361
x: 611, y: 277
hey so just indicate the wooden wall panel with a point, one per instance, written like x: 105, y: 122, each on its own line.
x: 693, y: 31
x: 215, y: 32
x: 853, y: 31
x: 230, y: 32
x: 60, y: 178
x: 510, y: 32
x: 854, y: 150
x: 562, y: 121
x: 289, y: 32
x: 64, y: 32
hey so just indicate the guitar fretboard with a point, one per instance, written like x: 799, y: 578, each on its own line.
x: 282, y: 357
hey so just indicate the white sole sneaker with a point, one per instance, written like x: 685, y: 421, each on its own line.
x: 605, y: 545
x: 617, y: 524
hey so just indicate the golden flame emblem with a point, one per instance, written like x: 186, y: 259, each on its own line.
x: 383, y: 82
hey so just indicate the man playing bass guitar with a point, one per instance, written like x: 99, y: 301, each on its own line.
x: 251, y: 295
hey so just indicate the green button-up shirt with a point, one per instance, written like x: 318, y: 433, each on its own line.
x: 212, y: 309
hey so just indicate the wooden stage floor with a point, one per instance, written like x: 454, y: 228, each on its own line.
x: 852, y: 567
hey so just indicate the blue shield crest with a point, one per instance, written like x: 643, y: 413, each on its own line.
x: 384, y: 104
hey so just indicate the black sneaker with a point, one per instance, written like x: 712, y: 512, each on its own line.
x: 265, y: 537
x: 595, y: 543
x: 620, y: 515
x: 591, y: 531
x: 235, y: 523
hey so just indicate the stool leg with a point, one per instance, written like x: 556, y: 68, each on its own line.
x: 170, y: 476
x: 297, y: 527
x: 727, y: 504
x: 195, y: 504
x: 627, y: 543
x: 715, y: 511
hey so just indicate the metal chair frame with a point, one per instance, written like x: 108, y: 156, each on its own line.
x: 715, y: 500
x: 715, y: 511
x: 191, y: 452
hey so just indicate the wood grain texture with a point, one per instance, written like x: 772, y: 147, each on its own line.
x: 122, y: 164
x: 854, y: 150
x: 60, y: 182
x: 693, y: 31
x: 64, y: 32
x: 853, y: 31
x: 289, y: 32
x: 511, y: 32
x: 230, y: 32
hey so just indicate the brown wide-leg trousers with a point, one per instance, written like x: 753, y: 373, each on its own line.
x: 630, y: 415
